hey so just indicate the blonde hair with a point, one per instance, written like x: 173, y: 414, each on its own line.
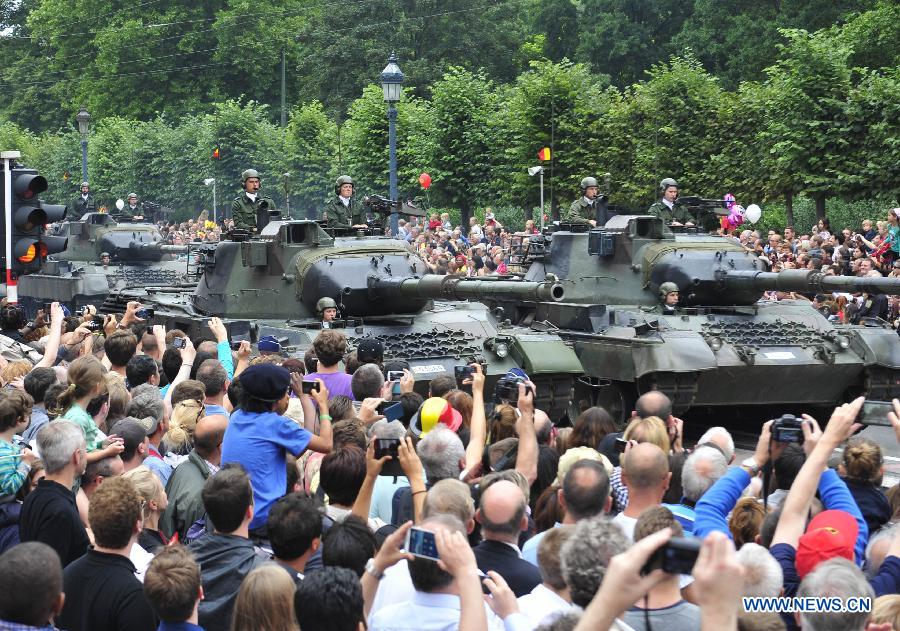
x: 863, y: 460
x: 84, y: 375
x: 147, y: 484
x: 183, y: 423
x: 650, y: 429
x: 265, y: 601
x: 14, y: 370
x: 886, y: 609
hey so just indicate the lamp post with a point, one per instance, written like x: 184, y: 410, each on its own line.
x: 212, y: 181
x: 84, y: 119
x: 391, y: 81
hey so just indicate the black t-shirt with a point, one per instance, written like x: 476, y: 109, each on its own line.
x: 102, y: 592
x: 49, y: 515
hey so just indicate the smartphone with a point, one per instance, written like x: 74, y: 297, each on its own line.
x: 145, y: 313
x: 98, y: 319
x: 395, y: 389
x: 675, y: 557
x: 391, y: 411
x: 179, y: 342
x: 421, y: 543
x: 462, y: 372
x: 875, y: 413
x: 235, y: 345
x: 621, y: 444
x: 386, y: 447
x: 309, y: 386
x: 394, y: 375
x: 93, y: 326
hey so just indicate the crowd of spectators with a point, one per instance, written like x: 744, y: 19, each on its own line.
x: 148, y: 484
x: 871, y: 249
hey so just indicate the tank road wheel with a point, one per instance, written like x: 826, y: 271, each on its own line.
x: 554, y: 392
x: 616, y: 397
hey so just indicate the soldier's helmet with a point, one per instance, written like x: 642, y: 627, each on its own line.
x: 246, y: 175
x: 667, y: 288
x: 588, y: 182
x: 666, y: 183
x: 130, y: 195
x: 325, y: 303
x: 83, y: 184
x: 344, y: 179
x: 104, y: 255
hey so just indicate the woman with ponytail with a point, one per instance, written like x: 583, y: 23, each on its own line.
x: 86, y: 381
x: 180, y: 438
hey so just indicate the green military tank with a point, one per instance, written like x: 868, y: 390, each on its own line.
x: 81, y: 275
x: 270, y: 285
x: 721, y: 349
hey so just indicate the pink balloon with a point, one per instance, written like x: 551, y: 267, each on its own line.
x: 425, y: 180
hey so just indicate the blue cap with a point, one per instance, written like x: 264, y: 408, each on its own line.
x: 266, y: 382
x: 268, y: 344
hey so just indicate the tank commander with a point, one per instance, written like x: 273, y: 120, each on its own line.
x: 326, y: 308
x: 250, y: 210
x: 667, y: 207
x: 668, y: 297
x: 132, y: 211
x: 586, y: 208
x: 84, y: 203
x: 105, y: 259
x: 344, y: 211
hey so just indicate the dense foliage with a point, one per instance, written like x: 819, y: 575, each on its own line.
x: 771, y: 101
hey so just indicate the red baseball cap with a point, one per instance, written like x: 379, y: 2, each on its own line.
x: 831, y: 534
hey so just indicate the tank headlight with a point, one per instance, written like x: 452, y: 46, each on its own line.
x: 715, y: 343
x: 502, y: 350
x: 843, y: 342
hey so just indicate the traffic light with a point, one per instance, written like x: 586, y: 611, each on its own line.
x: 27, y: 217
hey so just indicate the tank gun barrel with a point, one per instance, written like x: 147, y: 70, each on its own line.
x: 809, y: 281
x: 158, y: 247
x: 456, y: 288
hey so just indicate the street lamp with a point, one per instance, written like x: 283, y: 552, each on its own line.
x: 391, y: 81
x: 84, y: 120
x: 212, y: 181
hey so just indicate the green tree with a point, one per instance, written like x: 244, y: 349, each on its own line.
x: 312, y: 148
x: 465, y: 139
x: 807, y: 130
x: 624, y: 38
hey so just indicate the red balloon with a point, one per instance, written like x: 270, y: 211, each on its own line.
x: 425, y: 180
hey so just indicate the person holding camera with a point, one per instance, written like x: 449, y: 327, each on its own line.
x: 250, y: 210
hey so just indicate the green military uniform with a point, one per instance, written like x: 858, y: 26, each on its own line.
x: 128, y: 213
x: 670, y: 215
x: 79, y: 206
x: 337, y: 215
x: 248, y: 215
x: 581, y: 211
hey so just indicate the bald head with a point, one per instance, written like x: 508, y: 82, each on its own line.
x: 645, y: 467
x: 542, y: 427
x: 209, y: 434
x: 653, y: 403
x: 502, y: 511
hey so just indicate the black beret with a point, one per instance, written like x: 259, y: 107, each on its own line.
x: 266, y: 382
